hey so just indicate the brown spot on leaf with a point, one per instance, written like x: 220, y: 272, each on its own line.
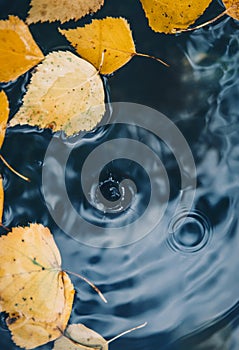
x: 13, y: 319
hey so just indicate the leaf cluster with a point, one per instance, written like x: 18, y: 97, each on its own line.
x: 65, y: 93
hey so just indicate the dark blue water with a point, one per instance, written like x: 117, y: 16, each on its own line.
x: 179, y: 272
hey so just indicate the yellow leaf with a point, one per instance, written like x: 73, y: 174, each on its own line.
x: 1, y: 198
x: 62, y: 10
x: 232, y: 7
x: 18, y: 50
x: 29, y: 333
x: 77, y: 336
x: 4, y: 113
x: 109, y: 36
x: 66, y: 93
x: 33, y: 287
x: 168, y: 16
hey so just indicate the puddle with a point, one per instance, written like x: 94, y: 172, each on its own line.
x: 174, y: 265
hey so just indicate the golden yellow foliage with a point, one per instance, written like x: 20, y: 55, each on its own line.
x: 168, y: 16
x: 29, y: 333
x: 66, y: 93
x: 232, y: 7
x: 4, y: 113
x: 62, y: 10
x: 34, y: 291
x: 18, y: 50
x: 80, y: 337
x: 106, y: 43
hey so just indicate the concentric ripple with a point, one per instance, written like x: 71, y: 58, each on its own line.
x: 189, y: 232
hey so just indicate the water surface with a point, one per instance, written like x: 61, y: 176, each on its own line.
x: 181, y: 277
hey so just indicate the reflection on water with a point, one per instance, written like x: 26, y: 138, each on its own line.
x: 185, y: 285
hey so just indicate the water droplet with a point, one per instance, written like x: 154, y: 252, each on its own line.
x: 110, y: 189
x: 113, y: 196
x: 189, y: 231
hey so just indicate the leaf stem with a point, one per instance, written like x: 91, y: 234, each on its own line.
x: 5, y: 227
x: 126, y: 332
x: 13, y: 170
x: 176, y: 31
x: 90, y: 284
x: 153, y: 57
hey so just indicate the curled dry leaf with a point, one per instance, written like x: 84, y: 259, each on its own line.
x: 62, y: 10
x: 18, y: 50
x: 232, y: 7
x: 170, y: 16
x: 78, y: 336
x: 111, y: 37
x: 65, y: 92
x: 34, y: 291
